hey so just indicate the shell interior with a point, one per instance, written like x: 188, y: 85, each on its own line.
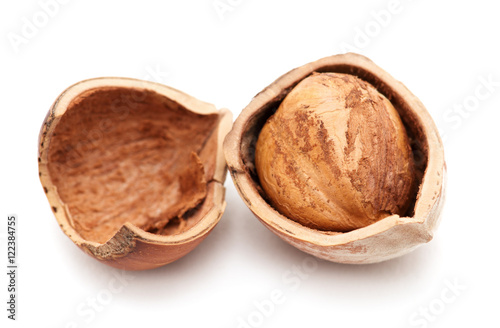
x: 122, y: 154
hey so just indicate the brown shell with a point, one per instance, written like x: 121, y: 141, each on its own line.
x: 388, y: 238
x: 133, y: 170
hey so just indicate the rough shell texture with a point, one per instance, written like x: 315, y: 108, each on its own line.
x: 385, y: 239
x: 133, y: 170
x: 335, y: 156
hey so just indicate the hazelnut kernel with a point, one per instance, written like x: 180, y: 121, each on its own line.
x: 335, y: 156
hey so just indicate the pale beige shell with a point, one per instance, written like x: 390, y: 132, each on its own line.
x: 131, y: 247
x: 388, y: 238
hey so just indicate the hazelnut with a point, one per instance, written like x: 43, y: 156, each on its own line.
x: 133, y: 170
x: 340, y: 160
x: 335, y: 155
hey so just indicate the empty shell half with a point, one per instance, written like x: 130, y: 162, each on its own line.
x: 133, y: 170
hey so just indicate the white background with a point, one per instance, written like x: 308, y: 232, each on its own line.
x: 441, y: 50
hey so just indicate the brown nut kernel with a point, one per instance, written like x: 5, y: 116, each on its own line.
x: 335, y: 155
x: 410, y: 221
x: 133, y: 170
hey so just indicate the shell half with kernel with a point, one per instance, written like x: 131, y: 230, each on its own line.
x: 364, y: 186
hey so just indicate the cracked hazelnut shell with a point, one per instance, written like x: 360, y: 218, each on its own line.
x: 388, y: 237
x: 133, y: 170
